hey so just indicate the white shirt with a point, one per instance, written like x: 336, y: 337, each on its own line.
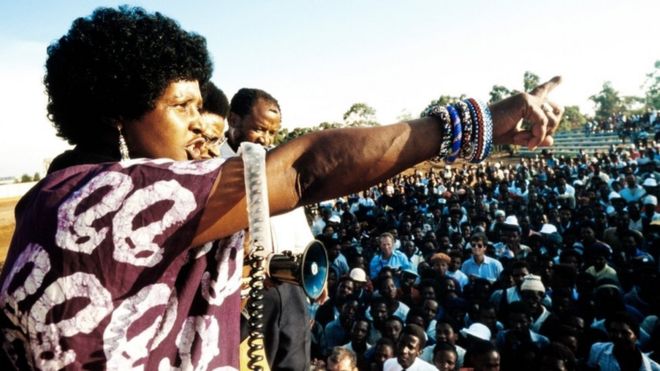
x: 392, y: 364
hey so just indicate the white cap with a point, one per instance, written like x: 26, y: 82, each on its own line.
x: 650, y: 182
x: 650, y: 200
x: 613, y: 195
x: 548, y: 229
x: 478, y: 330
x: 335, y: 219
x: 532, y: 282
x: 358, y: 275
x: 499, y: 213
x: 511, y: 220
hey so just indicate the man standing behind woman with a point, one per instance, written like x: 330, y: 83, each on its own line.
x: 255, y: 117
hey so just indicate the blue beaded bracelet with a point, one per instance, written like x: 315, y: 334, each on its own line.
x: 456, y: 134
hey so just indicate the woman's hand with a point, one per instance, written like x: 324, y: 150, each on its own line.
x: 542, y: 116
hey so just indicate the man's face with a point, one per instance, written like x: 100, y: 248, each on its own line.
x: 621, y: 334
x: 455, y: 263
x: 532, y: 298
x: 518, y: 274
x: 430, y: 309
x: 392, y: 329
x: 360, y: 331
x: 487, y: 362
x: 445, y: 333
x: 440, y: 266
x: 445, y: 361
x: 489, y: 318
x: 386, y: 246
x: 383, y: 353
x: 388, y: 289
x: 408, y: 349
x: 519, y: 322
x: 379, y: 312
x: 259, y: 126
x: 345, y: 288
x: 214, y: 129
x: 478, y: 248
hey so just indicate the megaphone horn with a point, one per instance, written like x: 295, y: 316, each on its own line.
x: 308, y: 270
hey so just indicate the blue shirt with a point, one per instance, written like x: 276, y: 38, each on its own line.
x: 396, y: 260
x: 601, y: 355
x: 489, y: 269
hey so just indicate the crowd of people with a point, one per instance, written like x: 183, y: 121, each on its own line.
x: 546, y: 263
x: 638, y: 128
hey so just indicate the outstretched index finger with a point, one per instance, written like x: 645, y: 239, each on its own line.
x: 542, y: 90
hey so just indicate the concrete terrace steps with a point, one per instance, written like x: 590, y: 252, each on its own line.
x: 569, y: 143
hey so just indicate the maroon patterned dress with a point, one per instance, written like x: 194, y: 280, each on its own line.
x: 101, y: 274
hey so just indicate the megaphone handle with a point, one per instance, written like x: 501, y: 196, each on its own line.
x: 256, y: 190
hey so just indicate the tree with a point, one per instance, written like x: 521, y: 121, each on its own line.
x: 652, y: 85
x: 530, y: 81
x: 405, y: 115
x: 499, y: 92
x: 25, y: 178
x: 572, y: 119
x: 607, y: 102
x: 360, y: 114
x: 36, y: 177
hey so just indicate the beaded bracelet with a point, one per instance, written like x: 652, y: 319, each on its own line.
x: 466, y: 120
x: 467, y: 130
x: 480, y: 123
x: 441, y: 113
x: 456, y: 134
x: 488, y: 125
x: 474, y: 143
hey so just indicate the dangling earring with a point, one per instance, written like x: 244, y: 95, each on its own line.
x: 123, y: 148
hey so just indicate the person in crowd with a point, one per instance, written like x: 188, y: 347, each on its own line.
x: 388, y: 257
x: 445, y: 357
x: 454, y: 269
x: 479, y: 265
x: 329, y: 311
x: 215, y: 111
x: 358, y: 344
x: 482, y: 356
x: 342, y: 359
x: 557, y: 357
x: 383, y: 350
x: 387, y: 289
x: 338, y: 332
x: 518, y: 344
x: 532, y: 292
x: 444, y: 333
x: 622, y: 352
x: 379, y: 313
x: 408, y: 348
x: 600, y: 269
x: 393, y: 327
x: 502, y: 297
x: 134, y: 196
x: 285, y: 345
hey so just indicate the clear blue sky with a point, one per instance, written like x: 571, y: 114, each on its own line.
x: 319, y: 57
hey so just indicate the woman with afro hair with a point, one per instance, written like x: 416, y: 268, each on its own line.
x: 129, y: 252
